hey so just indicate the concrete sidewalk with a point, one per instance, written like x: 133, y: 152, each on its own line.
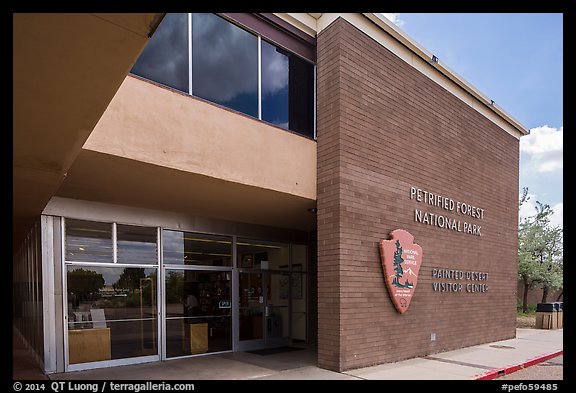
x: 485, y: 361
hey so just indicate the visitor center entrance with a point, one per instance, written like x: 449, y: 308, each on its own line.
x: 138, y: 294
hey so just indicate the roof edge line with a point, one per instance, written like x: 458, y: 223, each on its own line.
x: 429, y: 57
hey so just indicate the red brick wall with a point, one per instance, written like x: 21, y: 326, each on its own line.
x: 384, y: 127
x: 535, y: 295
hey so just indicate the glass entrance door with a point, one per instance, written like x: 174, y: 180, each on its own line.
x: 277, y: 310
x: 264, y: 309
x: 263, y: 294
x: 251, y: 309
x: 197, y: 293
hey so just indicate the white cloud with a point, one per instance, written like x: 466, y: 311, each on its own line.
x: 544, y: 145
x: 394, y: 17
x: 557, y: 219
x: 274, y: 70
x: 528, y: 209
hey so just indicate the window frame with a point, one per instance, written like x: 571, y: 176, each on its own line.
x: 114, y: 245
x: 259, y: 37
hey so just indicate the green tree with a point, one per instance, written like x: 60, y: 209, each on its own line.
x: 83, y: 284
x: 174, y: 287
x: 540, y: 252
x: 148, y: 288
x: 130, y: 279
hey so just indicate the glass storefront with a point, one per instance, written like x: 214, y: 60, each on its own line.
x: 209, y: 293
x: 112, y: 291
x: 112, y: 313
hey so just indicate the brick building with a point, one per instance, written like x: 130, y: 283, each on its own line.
x: 222, y: 182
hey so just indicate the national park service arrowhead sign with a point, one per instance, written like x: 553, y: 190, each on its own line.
x: 401, y: 261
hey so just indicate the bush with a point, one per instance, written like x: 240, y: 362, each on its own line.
x: 531, y: 309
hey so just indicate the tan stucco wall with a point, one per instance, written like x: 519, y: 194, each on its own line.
x: 156, y: 125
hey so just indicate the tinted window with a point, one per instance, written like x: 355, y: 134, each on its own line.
x: 88, y: 241
x: 274, y: 85
x: 137, y: 244
x: 165, y: 57
x: 301, y: 96
x: 225, y: 70
x: 287, y: 90
x: 225, y: 63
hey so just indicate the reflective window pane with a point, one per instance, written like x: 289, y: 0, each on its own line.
x: 112, y: 313
x: 299, y: 306
x: 188, y: 248
x: 274, y: 85
x: 287, y: 90
x: 299, y: 257
x: 278, y: 324
x: 165, y: 57
x: 137, y: 245
x: 88, y: 241
x: 301, y: 96
x: 198, y: 312
x: 225, y: 63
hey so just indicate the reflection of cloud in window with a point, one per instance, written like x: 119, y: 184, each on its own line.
x: 274, y: 69
x: 225, y: 59
x: 165, y: 58
x: 137, y: 252
x: 173, y: 244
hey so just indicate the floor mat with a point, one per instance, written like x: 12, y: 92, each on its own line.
x: 272, y: 351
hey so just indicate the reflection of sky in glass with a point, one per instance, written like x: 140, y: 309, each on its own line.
x: 88, y: 241
x: 274, y: 85
x: 225, y: 70
x: 225, y: 63
x: 173, y: 246
x: 88, y: 249
x: 137, y: 252
x: 165, y: 57
x: 137, y: 245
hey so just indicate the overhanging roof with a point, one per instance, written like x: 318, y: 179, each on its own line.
x: 66, y: 69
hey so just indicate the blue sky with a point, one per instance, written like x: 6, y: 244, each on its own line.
x: 515, y: 59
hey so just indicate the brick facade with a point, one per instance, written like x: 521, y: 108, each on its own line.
x: 535, y: 295
x: 383, y: 127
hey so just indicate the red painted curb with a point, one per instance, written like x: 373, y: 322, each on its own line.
x: 498, y: 372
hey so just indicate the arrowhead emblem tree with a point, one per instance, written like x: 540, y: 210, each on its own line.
x: 401, y: 261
